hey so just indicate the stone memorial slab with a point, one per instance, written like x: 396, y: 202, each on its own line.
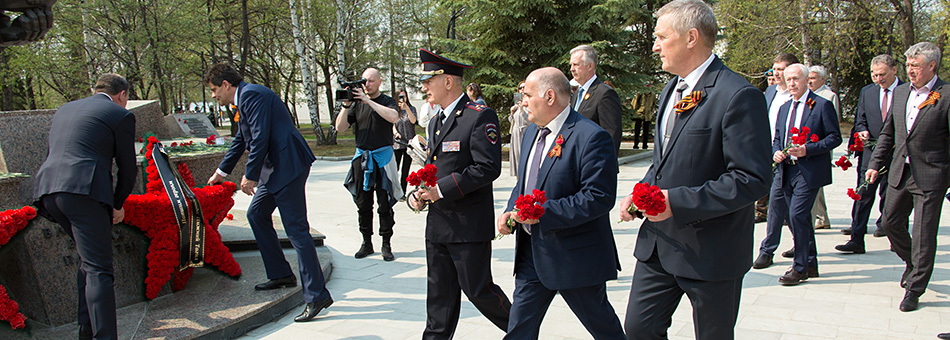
x: 195, y: 125
x: 41, y: 265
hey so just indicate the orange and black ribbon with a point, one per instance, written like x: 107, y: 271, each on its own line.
x: 931, y: 99
x: 811, y: 103
x: 237, y: 113
x: 689, y: 102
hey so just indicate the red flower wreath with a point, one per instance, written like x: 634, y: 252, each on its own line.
x: 11, y: 222
x: 152, y: 213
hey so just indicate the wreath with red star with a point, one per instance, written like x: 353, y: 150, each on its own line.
x: 152, y: 213
x: 11, y: 222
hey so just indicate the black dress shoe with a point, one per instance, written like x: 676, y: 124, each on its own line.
x: 85, y: 332
x: 846, y: 231
x: 812, y: 272
x: 943, y: 336
x: 793, y: 277
x: 789, y: 253
x: 909, y: 303
x: 879, y: 232
x: 761, y: 218
x: 284, y: 282
x: 851, y: 247
x: 763, y: 261
x: 311, y: 310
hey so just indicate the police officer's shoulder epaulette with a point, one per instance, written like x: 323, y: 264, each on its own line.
x: 476, y: 106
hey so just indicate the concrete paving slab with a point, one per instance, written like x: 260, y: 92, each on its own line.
x: 856, y: 296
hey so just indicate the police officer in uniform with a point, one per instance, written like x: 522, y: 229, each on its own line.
x: 464, y: 145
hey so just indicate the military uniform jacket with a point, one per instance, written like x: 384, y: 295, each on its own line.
x: 467, y: 152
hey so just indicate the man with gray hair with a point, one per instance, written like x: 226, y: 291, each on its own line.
x: 711, y: 166
x: 817, y: 76
x: 595, y: 99
x: 915, y: 141
x: 874, y: 106
x: 803, y: 167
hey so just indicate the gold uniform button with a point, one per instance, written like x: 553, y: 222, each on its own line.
x: 435, y: 158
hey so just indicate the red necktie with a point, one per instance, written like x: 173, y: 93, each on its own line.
x: 884, y: 106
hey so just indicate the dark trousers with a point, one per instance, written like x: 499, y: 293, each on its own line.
x: 89, y: 223
x: 364, y: 204
x: 532, y: 299
x: 403, y: 162
x: 800, y: 198
x: 917, y: 250
x: 455, y: 268
x: 292, y: 202
x: 861, y: 210
x: 777, y: 215
x: 655, y: 293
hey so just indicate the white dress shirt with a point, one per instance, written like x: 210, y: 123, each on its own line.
x: 691, y: 79
x: 555, y: 127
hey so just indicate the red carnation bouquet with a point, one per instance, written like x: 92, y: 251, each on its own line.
x: 798, y: 138
x: 528, y: 207
x: 647, y: 199
x: 855, y: 193
x: 11, y: 222
x: 422, y: 178
x: 844, y: 163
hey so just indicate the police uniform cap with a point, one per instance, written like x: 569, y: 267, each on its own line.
x: 434, y: 64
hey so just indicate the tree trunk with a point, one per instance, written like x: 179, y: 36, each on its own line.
x: 245, y: 39
x: 310, y: 86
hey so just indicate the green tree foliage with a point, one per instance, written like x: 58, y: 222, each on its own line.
x: 507, y: 39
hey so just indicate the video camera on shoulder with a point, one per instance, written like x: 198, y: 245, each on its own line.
x: 345, y: 93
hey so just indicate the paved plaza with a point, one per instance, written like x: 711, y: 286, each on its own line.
x: 856, y: 296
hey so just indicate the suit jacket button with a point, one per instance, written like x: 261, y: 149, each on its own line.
x: 658, y: 176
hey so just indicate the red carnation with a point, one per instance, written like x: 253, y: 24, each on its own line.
x: 528, y: 207
x: 424, y: 177
x: 794, y: 130
x: 230, y: 217
x: 854, y: 195
x: 814, y: 138
x: 648, y: 199
x: 844, y: 163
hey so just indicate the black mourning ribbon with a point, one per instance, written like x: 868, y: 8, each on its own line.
x: 191, y: 222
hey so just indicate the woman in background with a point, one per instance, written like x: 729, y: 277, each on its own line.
x: 475, y: 93
x: 519, y: 122
x: 403, y: 130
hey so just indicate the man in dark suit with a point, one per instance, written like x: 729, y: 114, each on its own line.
x: 915, y: 139
x: 803, y: 168
x: 277, y: 166
x: 714, y: 167
x: 874, y: 104
x: 464, y: 146
x: 570, y: 250
x: 74, y: 188
x: 595, y: 99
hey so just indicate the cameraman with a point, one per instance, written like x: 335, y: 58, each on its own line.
x: 373, y: 169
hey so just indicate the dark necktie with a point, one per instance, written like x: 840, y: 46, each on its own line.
x: 884, y: 106
x: 438, y: 123
x: 791, y: 122
x: 671, y: 115
x: 532, y: 177
x: 579, y: 98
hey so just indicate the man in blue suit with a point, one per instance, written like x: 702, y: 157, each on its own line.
x: 277, y: 166
x: 712, y: 166
x: 804, y: 168
x: 874, y: 105
x: 74, y: 188
x: 571, y: 249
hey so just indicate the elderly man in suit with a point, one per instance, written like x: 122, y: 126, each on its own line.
x: 595, y: 99
x: 817, y: 76
x: 874, y: 106
x: 803, y: 168
x: 712, y: 169
x: 74, y: 188
x: 570, y: 250
x: 278, y: 165
x: 916, y: 140
x: 465, y: 148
